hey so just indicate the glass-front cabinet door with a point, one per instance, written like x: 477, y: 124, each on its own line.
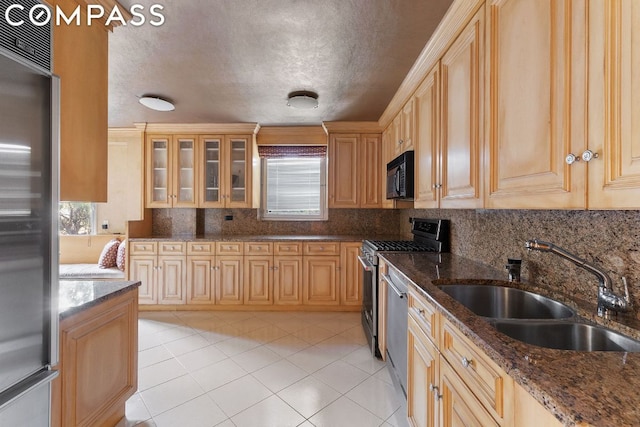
x: 158, y: 171
x: 237, y: 174
x: 211, y: 176
x: 185, y: 178
x: 171, y: 171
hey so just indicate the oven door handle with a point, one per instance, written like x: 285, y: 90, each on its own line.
x: 387, y: 279
x: 365, y: 264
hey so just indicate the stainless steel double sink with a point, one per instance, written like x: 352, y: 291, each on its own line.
x: 536, y: 319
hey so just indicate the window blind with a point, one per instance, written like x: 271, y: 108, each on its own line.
x: 294, y: 186
x: 286, y: 151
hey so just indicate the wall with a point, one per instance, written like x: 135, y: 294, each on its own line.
x: 609, y: 239
x: 175, y: 222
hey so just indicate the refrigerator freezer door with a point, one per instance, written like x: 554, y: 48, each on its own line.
x: 26, y: 233
x: 28, y: 403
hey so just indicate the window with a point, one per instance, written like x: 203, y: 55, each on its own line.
x: 77, y: 218
x: 294, y: 188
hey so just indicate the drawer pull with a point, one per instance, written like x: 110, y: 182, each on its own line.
x: 421, y: 311
x: 466, y: 362
x: 258, y: 248
x: 143, y: 248
x: 436, y: 391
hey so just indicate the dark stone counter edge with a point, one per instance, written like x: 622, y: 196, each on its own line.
x: 106, y: 291
x: 267, y: 238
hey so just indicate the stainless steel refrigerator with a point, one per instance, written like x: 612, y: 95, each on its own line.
x: 28, y: 230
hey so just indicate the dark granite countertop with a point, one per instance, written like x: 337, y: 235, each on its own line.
x: 75, y: 296
x: 279, y: 237
x: 586, y: 388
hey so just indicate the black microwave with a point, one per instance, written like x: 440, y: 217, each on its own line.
x: 400, y: 172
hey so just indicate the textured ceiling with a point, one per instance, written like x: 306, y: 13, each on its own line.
x: 236, y: 60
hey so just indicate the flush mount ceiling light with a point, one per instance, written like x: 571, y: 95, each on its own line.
x: 156, y: 103
x: 304, y: 100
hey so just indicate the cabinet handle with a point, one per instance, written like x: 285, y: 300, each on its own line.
x: 436, y: 392
x: 571, y: 159
x: 421, y: 311
x: 466, y: 362
x: 258, y: 248
x: 589, y: 155
x: 437, y: 186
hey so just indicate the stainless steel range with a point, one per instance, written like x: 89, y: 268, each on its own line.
x: 429, y: 235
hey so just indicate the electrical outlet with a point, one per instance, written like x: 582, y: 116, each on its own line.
x: 105, y: 224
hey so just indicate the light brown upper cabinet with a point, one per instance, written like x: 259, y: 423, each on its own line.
x: 403, y: 129
x: 171, y: 171
x: 536, y: 107
x: 80, y: 58
x: 225, y: 171
x: 355, y: 170
x: 449, y: 115
x: 427, y: 105
x: 614, y: 105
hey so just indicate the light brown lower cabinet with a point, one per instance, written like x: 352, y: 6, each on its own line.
x: 201, y: 275
x: 98, y: 364
x: 287, y: 280
x: 451, y: 382
x: 228, y: 281
x: 321, y: 277
x: 258, y: 280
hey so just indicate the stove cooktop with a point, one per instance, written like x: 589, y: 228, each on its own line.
x: 399, y: 246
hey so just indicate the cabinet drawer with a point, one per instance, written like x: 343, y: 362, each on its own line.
x: 425, y: 316
x: 172, y: 248
x: 287, y: 248
x: 229, y: 248
x: 322, y: 248
x: 201, y: 248
x: 258, y: 248
x: 489, y: 383
x: 143, y: 248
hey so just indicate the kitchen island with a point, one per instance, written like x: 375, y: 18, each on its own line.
x: 98, y: 352
x: 577, y: 388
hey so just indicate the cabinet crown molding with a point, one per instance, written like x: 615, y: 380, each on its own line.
x: 352, y: 127
x: 292, y: 135
x: 460, y: 12
x: 203, y: 128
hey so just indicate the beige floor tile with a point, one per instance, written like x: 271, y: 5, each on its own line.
x: 136, y: 411
x: 384, y: 375
x: 341, y: 376
x: 248, y: 325
x: 271, y: 412
x: 399, y: 417
x: 152, y: 356
x: 148, y: 340
x: 226, y: 423
x: 186, y: 345
x: 279, y: 375
x: 362, y: 359
x: 308, y: 396
x: 159, y: 373
x: 199, y: 412
x: 239, y: 395
x: 220, y: 373
x: 256, y: 358
x: 266, y: 334
x: 287, y: 345
x: 200, y: 358
x: 176, y: 333
x: 313, y: 334
x: 339, y: 345
x: 345, y: 413
x: 376, y: 396
x: 170, y: 394
x: 313, y: 358
x: 219, y: 333
x: 237, y: 345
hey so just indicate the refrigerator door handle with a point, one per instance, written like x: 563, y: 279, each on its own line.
x: 55, y: 206
x: 15, y: 392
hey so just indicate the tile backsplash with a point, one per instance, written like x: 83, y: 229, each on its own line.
x: 175, y: 222
x: 608, y: 239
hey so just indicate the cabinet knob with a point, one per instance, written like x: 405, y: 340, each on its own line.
x: 259, y: 248
x: 571, y: 159
x: 421, y: 311
x: 436, y: 391
x: 589, y: 155
x: 466, y: 362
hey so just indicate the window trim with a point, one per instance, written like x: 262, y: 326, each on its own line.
x: 324, y: 212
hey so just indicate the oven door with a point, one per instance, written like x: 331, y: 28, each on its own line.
x: 370, y: 304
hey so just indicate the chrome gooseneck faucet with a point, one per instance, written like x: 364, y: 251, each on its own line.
x: 609, y: 303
